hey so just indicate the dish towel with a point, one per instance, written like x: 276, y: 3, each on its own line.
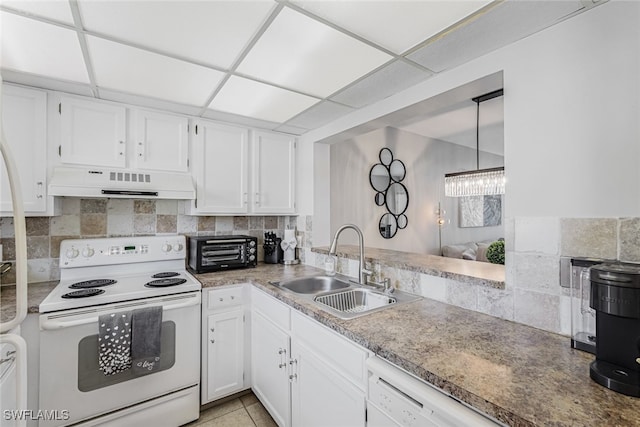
x: 145, y: 339
x: 114, y: 342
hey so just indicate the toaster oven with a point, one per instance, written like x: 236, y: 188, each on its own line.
x: 214, y: 253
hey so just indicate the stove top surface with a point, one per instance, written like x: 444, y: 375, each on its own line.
x: 73, y: 293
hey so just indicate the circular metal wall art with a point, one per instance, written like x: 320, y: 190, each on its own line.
x: 385, y: 177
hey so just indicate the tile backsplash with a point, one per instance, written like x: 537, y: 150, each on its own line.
x: 95, y: 218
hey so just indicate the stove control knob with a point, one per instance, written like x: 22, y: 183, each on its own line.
x: 178, y: 247
x: 72, y: 253
x: 166, y: 247
x: 88, y: 252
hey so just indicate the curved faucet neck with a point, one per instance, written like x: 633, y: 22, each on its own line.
x: 334, y: 247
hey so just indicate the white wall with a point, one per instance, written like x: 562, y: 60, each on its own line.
x: 426, y: 161
x: 571, y: 105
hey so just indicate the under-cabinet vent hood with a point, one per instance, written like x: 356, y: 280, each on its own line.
x: 99, y: 182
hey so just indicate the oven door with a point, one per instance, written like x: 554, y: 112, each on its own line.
x: 222, y: 254
x: 72, y: 388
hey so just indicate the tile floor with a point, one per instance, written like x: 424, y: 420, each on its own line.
x: 243, y: 411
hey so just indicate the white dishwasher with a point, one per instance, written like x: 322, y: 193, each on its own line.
x: 396, y: 398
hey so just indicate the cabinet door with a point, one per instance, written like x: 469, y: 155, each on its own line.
x: 92, y: 133
x: 161, y: 141
x: 320, y: 396
x: 273, y: 173
x: 225, y: 353
x: 24, y: 120
x: 221, y: 168
x: 269, y: 368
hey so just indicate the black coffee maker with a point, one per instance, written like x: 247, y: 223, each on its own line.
x: 615, y: 296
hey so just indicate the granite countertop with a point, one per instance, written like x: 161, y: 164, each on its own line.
x: 481, y: 273
x: 518, y: 374
x: 36, y: 293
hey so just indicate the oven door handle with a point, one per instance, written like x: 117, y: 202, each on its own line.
x: 47, y: 324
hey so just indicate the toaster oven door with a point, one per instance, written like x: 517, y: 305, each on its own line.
x: 222, y: 255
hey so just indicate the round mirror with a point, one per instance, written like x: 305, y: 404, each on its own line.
x: 402, y: 221
x: 379, y: 177
x: 397, y: 198
x: 388, y: 226
x: 397, y: 170
x: 379, y: 199
x: 386, y: 156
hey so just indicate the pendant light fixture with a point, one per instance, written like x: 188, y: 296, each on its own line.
x: 479, y: 182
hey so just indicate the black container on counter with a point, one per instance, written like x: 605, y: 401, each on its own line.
x: 273, y: 253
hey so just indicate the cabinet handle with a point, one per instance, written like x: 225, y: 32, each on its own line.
x: 213, y: 341
x: 246, y: 197
x: 213, y: 329
x: 293, y: 377
x: 258, y: 199
x: 283, y: 354
x: 39, y: 184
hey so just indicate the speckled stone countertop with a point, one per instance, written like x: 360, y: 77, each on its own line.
x: 480, y: 273
x: 36, y: 293
x: 520, y: 375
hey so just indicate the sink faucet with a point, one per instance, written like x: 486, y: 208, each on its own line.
x: 362, y: 272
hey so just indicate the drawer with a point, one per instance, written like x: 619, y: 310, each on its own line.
x: 271, y: 308
x: 337, y: 351
x: 223, y: 298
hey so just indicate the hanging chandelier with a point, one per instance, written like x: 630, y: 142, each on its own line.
x: 479, y: 182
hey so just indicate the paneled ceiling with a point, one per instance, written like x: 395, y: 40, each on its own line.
x: 290, y: 66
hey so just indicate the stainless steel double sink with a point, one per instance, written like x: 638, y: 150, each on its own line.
x: 341, y: 297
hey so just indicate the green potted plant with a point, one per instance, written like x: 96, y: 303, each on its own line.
x: 495, y: 252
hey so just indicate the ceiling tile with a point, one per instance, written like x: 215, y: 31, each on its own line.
x: 137, y: 71
x: 505, y: 24
x: 303, y: 54
x: 385, y: 82
x: 252, y: 99
x: 57, y: 10
x: 395, y: 25
x: 318, y: 115
x: 211, y: 32
x: 35, y: 47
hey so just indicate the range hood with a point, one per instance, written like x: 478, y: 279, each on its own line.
x: 120, y: 183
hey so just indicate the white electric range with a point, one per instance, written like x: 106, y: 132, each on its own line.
x: 117, y: 275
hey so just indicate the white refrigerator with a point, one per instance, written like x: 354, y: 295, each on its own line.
x: 13, y: 349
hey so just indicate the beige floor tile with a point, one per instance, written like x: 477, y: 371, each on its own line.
x: 249, y: 399
x: 260, y: 415
x: 238, y: 418
x: 220, y: 410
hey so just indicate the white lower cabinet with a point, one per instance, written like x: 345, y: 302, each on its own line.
x: 270, y: 368
x: 302, y: 372
x: 321, y: 396
x: 223, y: 343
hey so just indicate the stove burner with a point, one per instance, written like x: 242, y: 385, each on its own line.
x: 165, y: 282
x: 83, y: 293
x: 165, y: 274
x: 92, y: 283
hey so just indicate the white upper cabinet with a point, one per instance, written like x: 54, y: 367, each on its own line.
x: 220, y: 167
x: 24, y: 120
x: 236, y: 175
x: 97, y: 133
x: 92, y: 133
x: 273, y: 173
x: 161, y: 141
